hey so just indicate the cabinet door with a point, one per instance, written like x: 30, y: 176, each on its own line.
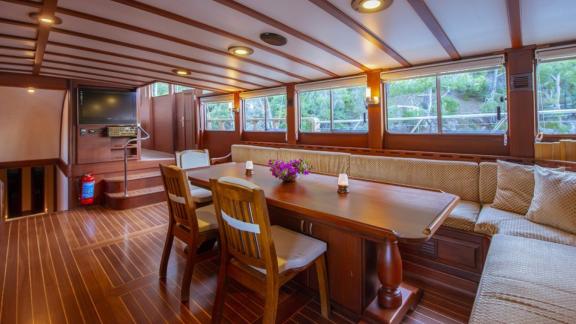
x: 344, y: 261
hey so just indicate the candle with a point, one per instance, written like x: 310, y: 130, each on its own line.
x: 343, y: 179
x: 249, y: 165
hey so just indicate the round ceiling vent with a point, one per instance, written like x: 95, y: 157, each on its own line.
x: 273, y: 39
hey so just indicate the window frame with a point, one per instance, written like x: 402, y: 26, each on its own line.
x: 549, y: 136
x: 331, y: 101
x: 438, y: 85
x: 205, y: 112
x: 265, y: 115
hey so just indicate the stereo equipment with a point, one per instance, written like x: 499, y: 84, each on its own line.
x: 122, y: 131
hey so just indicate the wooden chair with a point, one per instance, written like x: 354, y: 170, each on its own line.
x: 260, y: 256
x: 189, y: 159
x: 197, y: 227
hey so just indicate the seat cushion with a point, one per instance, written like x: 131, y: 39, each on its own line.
x: 294, y: 250
x: 206, y: 218
x: 495, y: 221
x: 320, y: 161
x: 256, y: 154
x: 526, y: 281
x: 464, y: 216
x: 456, y: 177
x: 200, y: 195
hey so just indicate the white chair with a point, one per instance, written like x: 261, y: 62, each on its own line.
x: 190, y: 159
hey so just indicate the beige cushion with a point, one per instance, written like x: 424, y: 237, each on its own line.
x: 256, y: 154
x: 554, y: 202
x: 515, y: 187
x: 488, y: 181
x: 464, y: 216
x: 526, y: 281
x: 294, y: 250
x: 206, y: 218
x: 200, y: 195
x: 455, y: 177
x: 320, y: 161
x: 192, y: 159
x: 495, y: 221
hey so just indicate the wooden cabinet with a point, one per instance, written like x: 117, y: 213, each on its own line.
x: 344, y: 258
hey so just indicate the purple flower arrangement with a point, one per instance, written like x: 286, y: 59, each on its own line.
x: 288, y: 171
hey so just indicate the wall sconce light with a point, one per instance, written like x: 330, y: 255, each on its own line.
x: 371, y: 100
x: 31, y: 90
x: 232, y: 107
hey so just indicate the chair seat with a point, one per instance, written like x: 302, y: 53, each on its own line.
x: 200, y: 195
x: 206, y: 218
x: 294, y: 250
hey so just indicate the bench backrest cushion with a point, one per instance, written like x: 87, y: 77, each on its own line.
x: 455, y: 177
x: 256, y: 154
x: 488, y: 181
x: 320, y: 161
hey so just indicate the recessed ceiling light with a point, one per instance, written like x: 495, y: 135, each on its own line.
x: 181, y: 72
x: 273, y: 39
x: 367, y: 6
x: 31, y: 90
x: 45, y: 19
x: 240, y: 50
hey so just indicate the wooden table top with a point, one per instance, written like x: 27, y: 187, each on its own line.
x: 374, y: 210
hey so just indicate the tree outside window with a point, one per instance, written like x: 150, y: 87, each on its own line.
x: 333, y: 110
x: 219, y: 116
x: 265, y: 113
x: 556, y: 81
x: 160, y: 89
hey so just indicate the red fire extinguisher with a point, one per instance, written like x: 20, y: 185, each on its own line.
x: 87, y: 189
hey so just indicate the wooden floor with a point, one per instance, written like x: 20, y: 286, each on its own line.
x: 100, y: 266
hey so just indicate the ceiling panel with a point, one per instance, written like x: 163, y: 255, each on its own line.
x: 18, y: 52
x: 17, y: 30
x: 16, y: 60
x: 16, y: 67
x: 15, y: 11
x: 17, y: 43
x: 221, y: 17
x: 401, y: 28
x: 548, y: 21
x: 52, y: 60
x: 157, y: 58
x: 309, y: 19
x: 474, y: 27
x: 54, y: 72
x: 164, y: 26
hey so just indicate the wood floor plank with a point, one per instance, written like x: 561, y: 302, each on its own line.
x: 11, y: 290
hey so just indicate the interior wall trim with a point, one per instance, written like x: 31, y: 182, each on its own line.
x: 27, y: 163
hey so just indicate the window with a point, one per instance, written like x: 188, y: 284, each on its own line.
x: 179, y: 88
x: 160, y: 89
x: 265, y: 113
x: 219, y: 116
x: 472, y: 102
x: 333, y: 110
x: 556, y: 81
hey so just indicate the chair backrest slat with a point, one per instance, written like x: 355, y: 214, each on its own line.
x: 243, y: 222
x: 180, y: 204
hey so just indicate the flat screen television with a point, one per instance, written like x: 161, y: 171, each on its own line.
x: 106, y: 106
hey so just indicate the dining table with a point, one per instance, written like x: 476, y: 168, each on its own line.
x: 363, y: 228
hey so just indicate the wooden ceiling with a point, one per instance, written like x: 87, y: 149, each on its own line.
x: 132, y: 43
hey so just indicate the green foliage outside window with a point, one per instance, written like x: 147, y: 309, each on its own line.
x: 339, y: 109
x: 557, y: 97
x: 160, y: 89
x: 265, y: 113
x: 219, y: 116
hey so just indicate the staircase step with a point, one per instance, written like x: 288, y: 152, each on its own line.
x: 135, y: 181
x: 135, y: 198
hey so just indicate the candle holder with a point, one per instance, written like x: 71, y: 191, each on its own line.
x: 342, y: 189
x: 249, y: 168
x: 249, y: 172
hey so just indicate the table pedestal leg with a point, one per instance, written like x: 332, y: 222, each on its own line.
x: 394, y: 297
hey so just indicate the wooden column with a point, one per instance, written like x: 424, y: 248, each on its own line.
x: 394, y: 298
x: 521, y: 104
x: 375, y: 112
x: 238, y: 116
x: 291, y: 115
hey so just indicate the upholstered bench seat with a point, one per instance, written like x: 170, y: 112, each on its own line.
x: 495, y: 221
x: 256, y: 154
x: 526, y: 281
x: 464, y: 216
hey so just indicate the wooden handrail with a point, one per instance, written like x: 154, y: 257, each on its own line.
x: 222, y: 159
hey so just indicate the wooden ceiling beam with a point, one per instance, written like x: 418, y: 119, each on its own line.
x: 48, y: 9
x: 138, y: 59
x: 434, y: 26
x: 16, y: 48
x: 16, y: 56
x: 83, y: 78
x: 173, y: 39
x: 360, y: 29
x: 200, y: 25
x: 138, y: 47
x: 236, y: 88
x: 514, y: 22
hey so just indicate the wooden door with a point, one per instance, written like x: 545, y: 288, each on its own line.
x: 164, y: 122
